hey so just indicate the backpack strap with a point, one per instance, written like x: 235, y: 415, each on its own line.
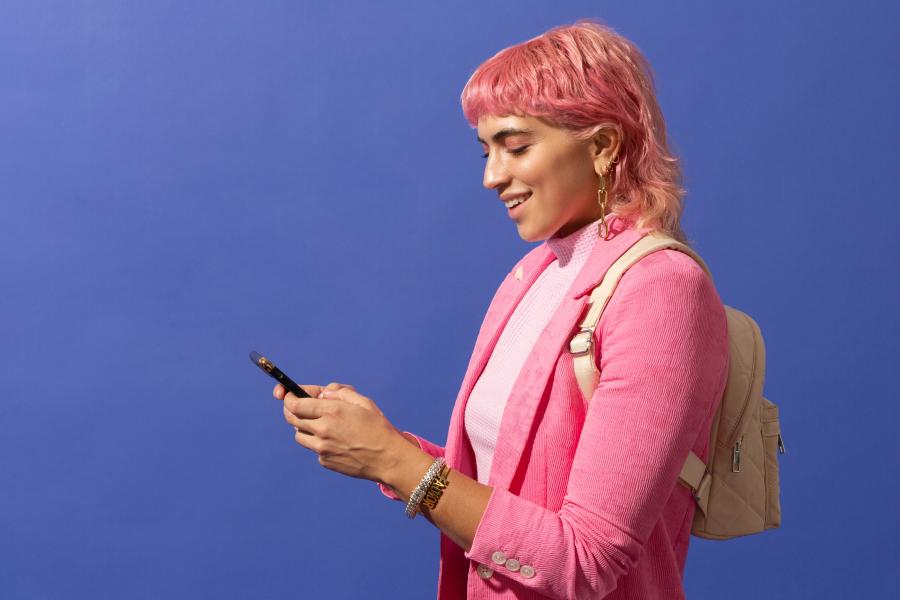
x: 694, y: 473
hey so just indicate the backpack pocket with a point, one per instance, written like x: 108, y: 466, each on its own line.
x: 773, y: 444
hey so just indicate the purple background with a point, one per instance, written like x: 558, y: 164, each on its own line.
x: 183, y: 182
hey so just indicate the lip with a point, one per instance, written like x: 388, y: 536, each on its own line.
x: 516, y: 211
x: 508, y: 197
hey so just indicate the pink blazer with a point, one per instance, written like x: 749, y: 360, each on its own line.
x: 586, y: 501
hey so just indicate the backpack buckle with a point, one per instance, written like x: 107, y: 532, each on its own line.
x: 701, y: 494
x: 583, y: 342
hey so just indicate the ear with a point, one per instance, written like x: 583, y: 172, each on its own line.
x: 605, y: 145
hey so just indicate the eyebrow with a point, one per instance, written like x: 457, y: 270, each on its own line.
x: 503, y: 133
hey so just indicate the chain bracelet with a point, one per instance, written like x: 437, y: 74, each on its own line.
x: 418, y: 494
x: 436, y: 489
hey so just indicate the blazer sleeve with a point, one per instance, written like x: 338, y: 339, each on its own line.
x: 664, y: 359
x: 429, y: 447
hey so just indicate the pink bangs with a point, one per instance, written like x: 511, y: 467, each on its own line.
x: 578, y: 77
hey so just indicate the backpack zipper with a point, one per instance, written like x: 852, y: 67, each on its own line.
x: 736, y: 456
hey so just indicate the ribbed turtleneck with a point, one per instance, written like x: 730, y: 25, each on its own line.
x: 577, y: 244
x: 484, y: 409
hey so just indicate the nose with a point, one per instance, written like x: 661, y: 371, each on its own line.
x: 495, y: 174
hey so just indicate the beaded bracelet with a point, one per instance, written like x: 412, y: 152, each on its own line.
x: 415, y: 498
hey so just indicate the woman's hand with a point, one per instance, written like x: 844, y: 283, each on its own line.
x: 352, y: 437
x: 346, y: 429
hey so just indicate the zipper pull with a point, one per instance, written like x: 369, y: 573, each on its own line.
x: 780, y: 444
x: 736, y: 456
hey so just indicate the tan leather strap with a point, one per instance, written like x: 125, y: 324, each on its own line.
x: 695, y: 476
x: 694, y: 473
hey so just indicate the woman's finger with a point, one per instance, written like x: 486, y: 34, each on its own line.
x: 279, y: 392
x: 351, y: 396
x: 307, y: 441
x: 308, y: 408
x: 305, y: 425
x: 336, y: 386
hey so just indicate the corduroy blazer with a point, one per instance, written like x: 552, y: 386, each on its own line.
x: 586, y: 501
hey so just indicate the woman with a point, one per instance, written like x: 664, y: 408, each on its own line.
x: 547, y: 495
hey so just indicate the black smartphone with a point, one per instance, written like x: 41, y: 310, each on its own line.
x: 277, y: 374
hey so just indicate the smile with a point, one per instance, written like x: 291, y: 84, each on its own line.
x: 517, y: 201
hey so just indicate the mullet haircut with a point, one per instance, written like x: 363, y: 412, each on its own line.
x: 583, y: 77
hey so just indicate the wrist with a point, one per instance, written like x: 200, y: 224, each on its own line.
x: 411, y: 439
x: 405, y: 466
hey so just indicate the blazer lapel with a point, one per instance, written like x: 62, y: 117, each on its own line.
x: 458, y: 450
x: 524, y: 399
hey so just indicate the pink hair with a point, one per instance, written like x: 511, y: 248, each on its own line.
x: 579, y: 77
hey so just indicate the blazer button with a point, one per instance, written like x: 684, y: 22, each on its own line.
x: 527, y: 571
x: 498, y: 557
x: 512, y: 564
x: 484, y: 571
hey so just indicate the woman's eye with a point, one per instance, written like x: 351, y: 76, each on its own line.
x: 517, y: 151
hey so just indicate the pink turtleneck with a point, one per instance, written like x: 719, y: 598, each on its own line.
x: 484, y: 409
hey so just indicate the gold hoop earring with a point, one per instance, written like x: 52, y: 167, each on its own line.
x: 602, y: 228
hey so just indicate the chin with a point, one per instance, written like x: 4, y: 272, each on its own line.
x: 540, y: 231
x: 531, y: 236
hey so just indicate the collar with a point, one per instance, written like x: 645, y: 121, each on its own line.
x: 579, y: 242
x: 622, y: 234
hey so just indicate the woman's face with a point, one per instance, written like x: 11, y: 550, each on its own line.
x: 526, y: 156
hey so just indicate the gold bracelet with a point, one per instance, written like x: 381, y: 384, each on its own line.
x: 437, y: 487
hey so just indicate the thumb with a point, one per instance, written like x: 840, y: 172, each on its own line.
x: 280, y: 391
x: 348, y: 395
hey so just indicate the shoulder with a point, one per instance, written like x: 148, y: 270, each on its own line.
x: 666, y: 266
x: 664, y: 281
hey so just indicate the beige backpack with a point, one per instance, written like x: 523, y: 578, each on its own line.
x: 737, y: 493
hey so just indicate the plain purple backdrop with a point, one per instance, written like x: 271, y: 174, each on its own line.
x: 183, y: 182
